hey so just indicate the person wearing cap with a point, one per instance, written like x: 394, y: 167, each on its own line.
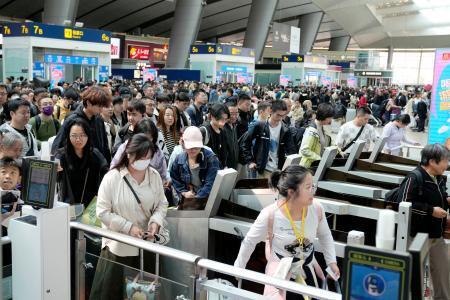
x: 126, y: 95
x: 194, y: 170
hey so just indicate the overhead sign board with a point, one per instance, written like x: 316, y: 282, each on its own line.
x: 56, y: 32
x: 222, y: 49
x: 383, y: 74
x: 293, y: 58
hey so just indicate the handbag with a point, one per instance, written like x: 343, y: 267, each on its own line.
x: 139, y: 289
x: 89, y: 216
x: 192, y: 203
x: 163, y: 235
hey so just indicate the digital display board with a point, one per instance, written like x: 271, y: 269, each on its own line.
x: 39, y: 183
x: 376, y: 274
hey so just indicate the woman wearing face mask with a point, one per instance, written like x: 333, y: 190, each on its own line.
x: 119, y: 210
x: 44, y: 125
x: 289, y: 228
x: 83, y: 166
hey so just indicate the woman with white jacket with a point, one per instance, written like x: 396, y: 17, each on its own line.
x: 131, y: 201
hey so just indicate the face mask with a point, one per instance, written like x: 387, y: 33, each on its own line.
x: 48, y: 110
x: 141, y: 165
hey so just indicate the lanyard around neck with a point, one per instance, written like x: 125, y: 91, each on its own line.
x: 299, y: 236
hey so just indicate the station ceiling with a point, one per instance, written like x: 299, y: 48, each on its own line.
x: 371, y: 23
x: 225, y: 20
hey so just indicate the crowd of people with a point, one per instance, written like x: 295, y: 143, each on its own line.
x: 137, y: 149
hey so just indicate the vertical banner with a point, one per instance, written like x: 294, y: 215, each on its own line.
x: 103, y: 73
x: 439, y: 129
x: 56, y: 74
x: 38, y: 69
x: 295, y: 40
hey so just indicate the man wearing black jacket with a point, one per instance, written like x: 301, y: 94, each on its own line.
x: 430, y: 204
x: 230, y: 133
x: 265, y: 145
x: 94, y: 99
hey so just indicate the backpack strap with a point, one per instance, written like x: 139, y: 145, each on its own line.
x: 38, y: 121
x: 419, y: 180
x: 57, y: 125
x: 269, y: 238
x: 318, y: 211
x: 205, y: 134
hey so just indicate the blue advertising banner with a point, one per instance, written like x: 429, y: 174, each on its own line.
x: 56, y: 32
x: 70, y: 60
x: 293, y: 58
x: 440, y: 99
x: 103, y: 73
x: 38, y: 69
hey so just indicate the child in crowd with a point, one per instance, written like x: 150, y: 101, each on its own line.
x: 10, y: 176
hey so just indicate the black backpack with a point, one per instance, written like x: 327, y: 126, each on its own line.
x: 297, y: 136
x: 393, y: 195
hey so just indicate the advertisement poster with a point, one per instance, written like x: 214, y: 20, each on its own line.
x: 148, y: 74
x: 326, y: 80
x: 284, y: 79
x: 138, y: 52
x: 115, y: 48
x: 242, y: 78
x: 56, y: 75
x: 440, y: 99
x: 351, y: 82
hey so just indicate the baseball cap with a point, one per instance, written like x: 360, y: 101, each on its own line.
x: 192, y: 138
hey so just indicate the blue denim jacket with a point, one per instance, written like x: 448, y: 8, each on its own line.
x: 181, y: 174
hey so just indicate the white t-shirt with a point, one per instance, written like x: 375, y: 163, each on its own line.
x: 272, y: 163
x: 348, y: 132
x: 283, y: 235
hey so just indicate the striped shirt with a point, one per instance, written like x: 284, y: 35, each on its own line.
x: 169, y: 141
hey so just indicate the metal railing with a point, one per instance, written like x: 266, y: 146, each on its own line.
x: 200, y: 265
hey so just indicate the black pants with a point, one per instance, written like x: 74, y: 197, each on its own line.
x: 109, y: 280
x: 421, y: 124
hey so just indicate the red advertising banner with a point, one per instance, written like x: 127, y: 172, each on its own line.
x: 138, y: 52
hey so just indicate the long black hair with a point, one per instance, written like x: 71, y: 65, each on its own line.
x: 138, y: 145
x: 69, y: 151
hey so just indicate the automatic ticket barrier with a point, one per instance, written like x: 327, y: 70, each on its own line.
x: 40, y: 238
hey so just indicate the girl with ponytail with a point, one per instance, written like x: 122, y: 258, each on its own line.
x: 289, y: 228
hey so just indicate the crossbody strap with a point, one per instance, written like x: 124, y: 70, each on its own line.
x: 136, y: 196
x: 354, y: 139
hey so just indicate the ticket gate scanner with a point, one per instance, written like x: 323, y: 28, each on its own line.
x: 40, y: 242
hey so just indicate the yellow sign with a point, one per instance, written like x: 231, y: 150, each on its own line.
x: 299, y: 58
x: 75, y: 34
x: 235, y: 51
x: 67, y: 33
x: 194, y: 50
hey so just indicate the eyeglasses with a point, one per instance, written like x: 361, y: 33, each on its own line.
x: 78, y: 136
x: 312, y: 188
x: 3, y: 94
